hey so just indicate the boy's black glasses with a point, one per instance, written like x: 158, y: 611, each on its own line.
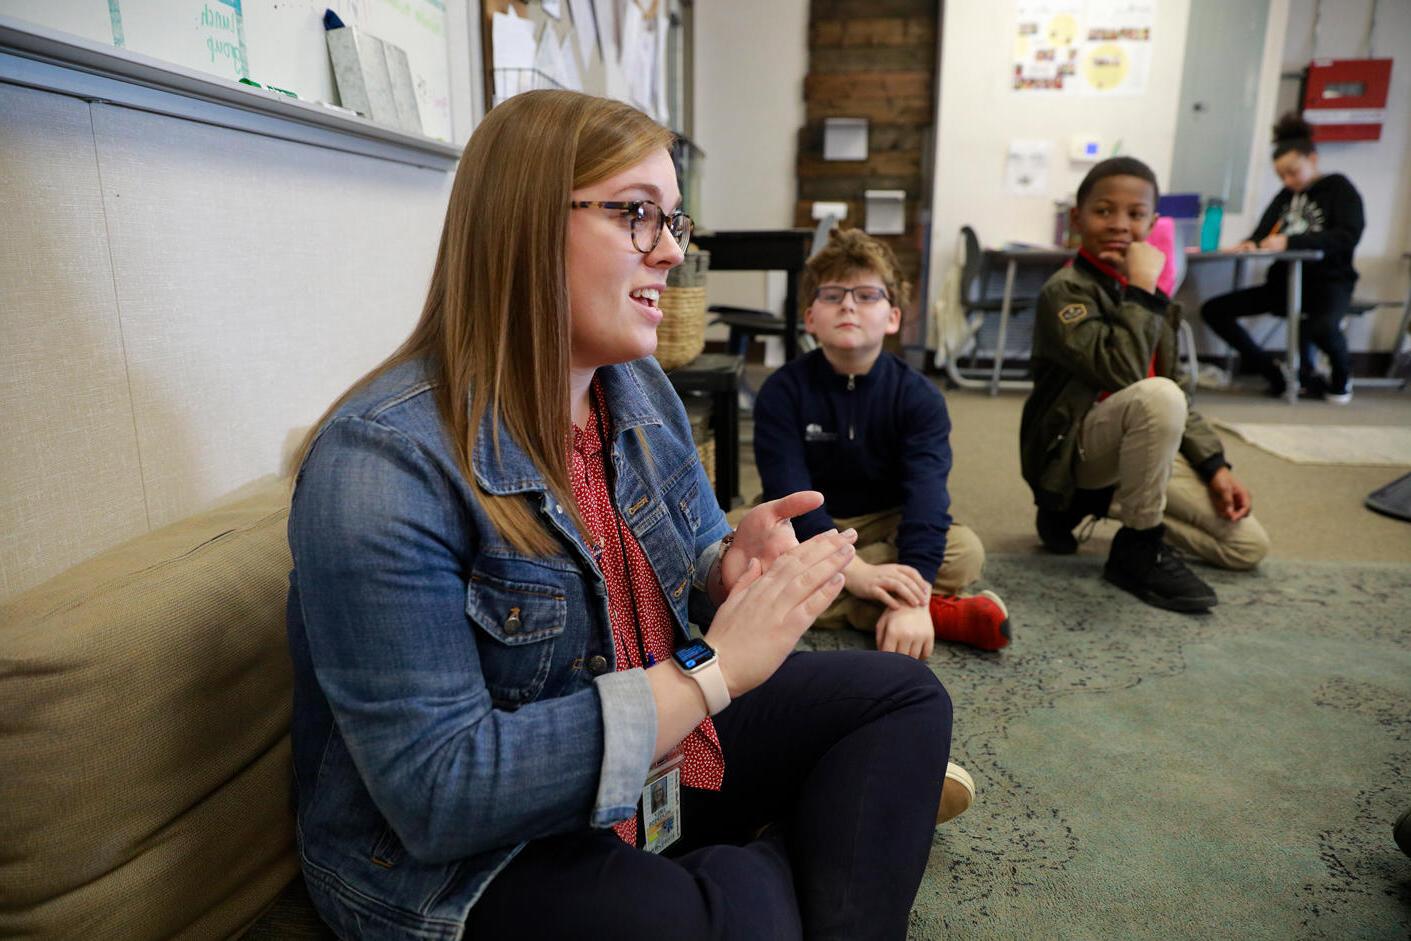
x: 863, y: 295
x: 647, y: 220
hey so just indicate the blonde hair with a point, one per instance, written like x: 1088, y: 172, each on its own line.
x: 495, y: 326
x: 850, y: 252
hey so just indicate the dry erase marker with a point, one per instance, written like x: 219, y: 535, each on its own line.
x: 278, y: 91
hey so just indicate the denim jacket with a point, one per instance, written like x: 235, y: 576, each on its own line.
x: 454, y: 697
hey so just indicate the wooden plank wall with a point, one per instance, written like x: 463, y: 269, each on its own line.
x: 873, y: 59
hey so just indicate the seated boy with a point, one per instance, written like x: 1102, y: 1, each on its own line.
x: 1105, y: 411
x: 872, y: 434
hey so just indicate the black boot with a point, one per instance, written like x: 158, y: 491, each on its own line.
x: 1056, y: 526
x: 1056, y: 529
x: 1142, y: 563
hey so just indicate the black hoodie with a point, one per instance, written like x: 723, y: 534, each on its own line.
x: 1327, y: 216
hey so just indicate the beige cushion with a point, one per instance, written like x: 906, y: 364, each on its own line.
x: 144, y: 734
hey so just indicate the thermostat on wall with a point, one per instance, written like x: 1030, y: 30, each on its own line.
x: 1085, y: 148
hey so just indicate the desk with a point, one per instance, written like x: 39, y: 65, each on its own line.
x: 764, y: 250
x: 1295, y: 258
x: 718, y: 375
x: 1011, y: 258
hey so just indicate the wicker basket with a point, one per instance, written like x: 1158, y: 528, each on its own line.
x: 706, y: 450
x: 698, y: 412
x: 681, y: 333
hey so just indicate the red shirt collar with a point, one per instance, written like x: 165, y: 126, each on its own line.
x: 1103, y: 266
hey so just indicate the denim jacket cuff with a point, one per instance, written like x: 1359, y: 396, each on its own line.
x: 705, y: 563
x: 629, y: 733
x: 702, y: 607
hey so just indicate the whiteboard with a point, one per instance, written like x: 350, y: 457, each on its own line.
x: 273, y: 42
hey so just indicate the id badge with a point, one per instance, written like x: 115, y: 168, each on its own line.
x: 661, y: 804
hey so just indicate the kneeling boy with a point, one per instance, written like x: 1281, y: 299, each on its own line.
x: 872, y: 434
x: 1105, y: 411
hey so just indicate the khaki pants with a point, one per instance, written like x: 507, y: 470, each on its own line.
x: 877, y: 545
x: 1133, y: 439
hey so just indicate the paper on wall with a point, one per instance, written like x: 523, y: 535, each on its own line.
x: 659, y: 67
x: 584, y: 28
x: 1026, y: 167
x: 1118, y: 57
x: 642, y: 52
x: 547, y: 60
x: 514, y: 55
x: 572, y: 79
x: 513, y: 41
x: 604, y: 12
x: 633, y: 55
x: 1085, y: 47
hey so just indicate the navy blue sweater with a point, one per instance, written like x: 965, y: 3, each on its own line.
x: 875, y: 442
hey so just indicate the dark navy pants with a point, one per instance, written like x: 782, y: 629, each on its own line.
x: 839, y: 756
x: 1323, y: 308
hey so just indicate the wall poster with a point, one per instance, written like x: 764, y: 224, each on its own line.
x: 1083, y: 47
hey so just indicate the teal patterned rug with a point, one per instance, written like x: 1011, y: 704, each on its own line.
x: 1144, y: 774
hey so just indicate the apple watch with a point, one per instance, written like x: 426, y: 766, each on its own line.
x: 698, y: 661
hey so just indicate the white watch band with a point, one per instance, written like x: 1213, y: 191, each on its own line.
x: 711, y: 679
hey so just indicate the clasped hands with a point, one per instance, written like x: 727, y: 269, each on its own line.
x: 774, y: 588
x: 765, y: 533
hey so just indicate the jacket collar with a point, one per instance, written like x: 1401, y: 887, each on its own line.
x: 512, y: 471
x: 1111, y: 280
x: 825, y: 369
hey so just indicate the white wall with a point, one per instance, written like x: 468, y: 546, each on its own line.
x: 979, y: 114
x: 177, y: 301
x: 1377, y: 168
x: 750, y: 63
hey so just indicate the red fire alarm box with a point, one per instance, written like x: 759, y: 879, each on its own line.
x: 1346, y: 99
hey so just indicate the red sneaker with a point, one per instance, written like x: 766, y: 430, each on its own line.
x: 981, y: 620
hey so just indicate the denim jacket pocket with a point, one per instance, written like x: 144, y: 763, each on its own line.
x: 387, y: 851
x: 687, y: 505
x: 520, y: 621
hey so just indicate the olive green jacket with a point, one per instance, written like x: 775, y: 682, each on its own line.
x: 1095, y: 334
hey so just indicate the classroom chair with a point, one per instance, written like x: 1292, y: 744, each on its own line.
x: 977, y: 302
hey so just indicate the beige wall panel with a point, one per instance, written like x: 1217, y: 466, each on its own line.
x: 256, y: 278
x: 70, y: 484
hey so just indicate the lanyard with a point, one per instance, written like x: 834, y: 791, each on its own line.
x: 645, y: 658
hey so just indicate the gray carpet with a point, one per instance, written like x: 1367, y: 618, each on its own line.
x: 1144, y: 774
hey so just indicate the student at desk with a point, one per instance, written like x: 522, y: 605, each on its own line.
x: 1311, y: 211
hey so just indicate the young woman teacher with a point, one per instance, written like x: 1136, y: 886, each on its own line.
x: 502, y: 725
